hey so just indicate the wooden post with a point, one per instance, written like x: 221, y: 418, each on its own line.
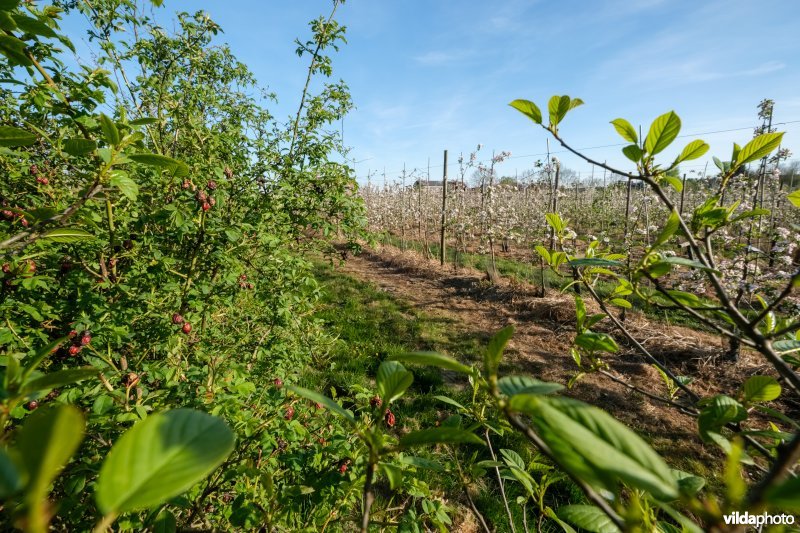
x: 444, y: 208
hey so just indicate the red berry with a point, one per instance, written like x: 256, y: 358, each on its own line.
x: 43, y: 181
x: 318, y: 405
x: 206, y: 206
x: 278, y: 382
x: 34, y: 170
x: 212, y: 185
x: 187, y: 328
x: 74, y: 350
x: 212, y: 201
x: 201, y: 196
x: 177, y: 318
x: 24, y: 222
x: 375, y: 401
x: 289, y: 414
x: 85, y: 339
x: 31, y: 405
x: 186, y: 184
x: 72, y: 334
x: 389, y: 418
x: 343, y: 467
x: 6, y: 268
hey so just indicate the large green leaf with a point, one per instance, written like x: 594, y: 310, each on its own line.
x: 9, y: 5
x: 178, y: 168
x: 761, y: 389
x: 662, y: 132
x: 759, y: 147
x: 161, y: 457
x: 46, y: 441
x: 433, y: 359
x: 603, y: 443
x: 324, y: 400
x: 529, y: 109
x: 625, y: 129
x: 11, y: 136
x: 440, y: 435
x: 494, y: 351
x: 587, y: 517
x: 392, y: 380
x: 594, y: 262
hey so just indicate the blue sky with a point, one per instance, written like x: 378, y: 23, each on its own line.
x: 438, y: 74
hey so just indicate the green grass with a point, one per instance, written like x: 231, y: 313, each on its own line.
x: 370, y: 326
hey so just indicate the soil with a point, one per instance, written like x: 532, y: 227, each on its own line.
x: 545, y: 328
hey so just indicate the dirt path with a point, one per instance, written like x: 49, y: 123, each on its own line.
x: 544, y: 332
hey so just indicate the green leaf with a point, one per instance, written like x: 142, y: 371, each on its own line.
x: 587, y: 517
x: 125, y: 184
x: 593, y: 342
x: 58, y: 378
x: 11, y: 136
x: 511, y: 385
x: 46, y: 441
x: 324, y: 400
x: 761, y: 389
x: 787, y: 346
x: 543, y: 252
x: 392, y: 380
x: 625, y: 129
x: 420, y: 462
x: 9, y: 5
x: 672, y: 225
x: 33, y: 26
x: 110, y: 131
x: 794, y: 198
x: 633, y: 152
x: 14, y: 49
x: 621, y: 302
x: 662, y: 132
x: 675, y: 260
x: 165, y: 522
x: 10, y: 476
x: 529, y: 109
x: 601, y: 443
x: 494, y: 351
x: 674, y: 182
x: 440, y: 435
x: 558, y: 106
x: 717, y: 412
x: 759, y: 147
x: 177, y: 168
x: 450, y: 401
x: 67, y: 235
x: 144, y: 121
x: 394, y: 474
x: 161, y: 457
x: 688, y: 484
x: 78, y: 147
x: 433, y: 359
x: 555, y: 222
x: 693, y: 150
